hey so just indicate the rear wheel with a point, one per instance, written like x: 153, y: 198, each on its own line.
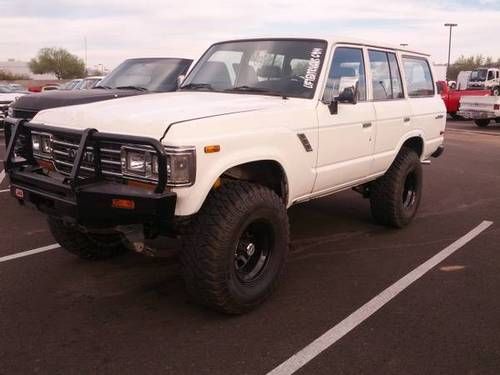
x: 235, y: 249
x: 483, y: 123
x: 88, y: 246
x: 395, y: 197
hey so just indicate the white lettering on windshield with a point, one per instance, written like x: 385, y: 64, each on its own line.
x: 313, y: 68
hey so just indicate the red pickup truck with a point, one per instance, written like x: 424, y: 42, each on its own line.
x: 452, y: 97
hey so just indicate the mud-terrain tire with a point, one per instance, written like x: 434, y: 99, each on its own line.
x: 88, y: 246
x: 235, y: 249
x: 483, y: 123
x: 395, y: 197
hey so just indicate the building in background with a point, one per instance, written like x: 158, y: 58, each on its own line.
x: 21, y: 67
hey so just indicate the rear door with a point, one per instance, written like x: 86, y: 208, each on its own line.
x: 391, y: 106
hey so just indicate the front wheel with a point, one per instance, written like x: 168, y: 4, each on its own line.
x: 235, y: 249
x: 483, y: 123
x: 496, y: 91
x: 395, y: 197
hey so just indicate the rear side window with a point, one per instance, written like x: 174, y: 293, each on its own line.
x: 386, y: 77
x: 418, y: 77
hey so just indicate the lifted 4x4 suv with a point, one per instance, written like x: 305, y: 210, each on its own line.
x: 258, y: 125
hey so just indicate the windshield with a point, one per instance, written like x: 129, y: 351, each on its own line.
x: 146, y: 74
x: 479, y: 75
x: 268, y: 67
x: 87, y: 83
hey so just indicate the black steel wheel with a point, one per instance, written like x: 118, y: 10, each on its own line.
x: 395, y: 197
x: 234, y: 250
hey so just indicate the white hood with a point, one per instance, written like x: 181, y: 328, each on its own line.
x: 149, y: 115
x: 10, y: 97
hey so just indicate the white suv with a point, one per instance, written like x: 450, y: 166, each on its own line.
x: 258, y: 126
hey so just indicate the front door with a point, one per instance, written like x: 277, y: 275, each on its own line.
x: 346, y: 138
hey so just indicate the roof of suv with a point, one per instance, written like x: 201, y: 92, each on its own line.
x: 337, y: 40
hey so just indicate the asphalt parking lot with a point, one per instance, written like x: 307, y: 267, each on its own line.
x: 62, y: 315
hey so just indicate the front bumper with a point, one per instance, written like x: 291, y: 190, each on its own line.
x: 89, y: 201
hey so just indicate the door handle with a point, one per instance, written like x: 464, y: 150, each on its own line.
x: 439, y: 117
x: 367, y: 125
x: 406, y: 119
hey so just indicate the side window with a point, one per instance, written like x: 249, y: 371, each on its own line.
x: 347, y: 70
x: 491, y: 75
x: 418, y: 77
x: 386, y: 76
x: 381, y: 75
x: 397, y: 84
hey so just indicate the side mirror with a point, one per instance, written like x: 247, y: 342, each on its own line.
x: 180, y: 79
x: 349, y: 96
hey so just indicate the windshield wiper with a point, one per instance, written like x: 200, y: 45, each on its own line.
x: 257, y: 89
x: 195, y: 86
x: 103, y: 87
x: 132, y: 88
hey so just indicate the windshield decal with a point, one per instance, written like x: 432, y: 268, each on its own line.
x: 313, y: 68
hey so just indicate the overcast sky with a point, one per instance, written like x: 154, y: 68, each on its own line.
x: 118, y: 29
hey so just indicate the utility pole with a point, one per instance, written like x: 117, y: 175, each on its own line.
x: 86, y: 62
x: 451, y: 26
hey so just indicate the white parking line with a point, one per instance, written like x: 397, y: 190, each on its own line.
x: 29, y: 252
x: 329, y: 338
x: 2, y: 176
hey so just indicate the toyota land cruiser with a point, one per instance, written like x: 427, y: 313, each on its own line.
x: 258, y: 126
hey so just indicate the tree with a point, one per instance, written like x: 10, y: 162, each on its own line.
x: 471, y: 63
x: 58, y: 61
x: 8, y: 76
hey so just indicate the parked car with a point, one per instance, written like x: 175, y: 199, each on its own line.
x: 7, y: 96
x: 451, y: 97
x: 71, y: 85
x: 15, y: 87
x: 132, y: 77
x: 485, y: 78
x: 258, y: 125
x: 88, y: 83
x: 481, y: 109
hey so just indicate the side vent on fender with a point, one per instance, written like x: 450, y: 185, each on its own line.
x: 305, y: 142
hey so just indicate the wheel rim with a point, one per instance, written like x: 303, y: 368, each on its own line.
x: 410, y: 190
x: 253, y: 251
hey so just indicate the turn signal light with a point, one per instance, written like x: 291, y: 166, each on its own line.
x: 125, y: 204
x: 211, y: 149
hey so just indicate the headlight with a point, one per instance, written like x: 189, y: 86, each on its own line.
x: 143, y: 164
x: 42, y: 144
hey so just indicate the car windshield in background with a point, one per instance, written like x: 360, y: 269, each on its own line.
x: 478, y: 75
x: 269, y: 67
x: 146, y: 74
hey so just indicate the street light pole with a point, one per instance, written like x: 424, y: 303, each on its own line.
x: 451, y: 26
